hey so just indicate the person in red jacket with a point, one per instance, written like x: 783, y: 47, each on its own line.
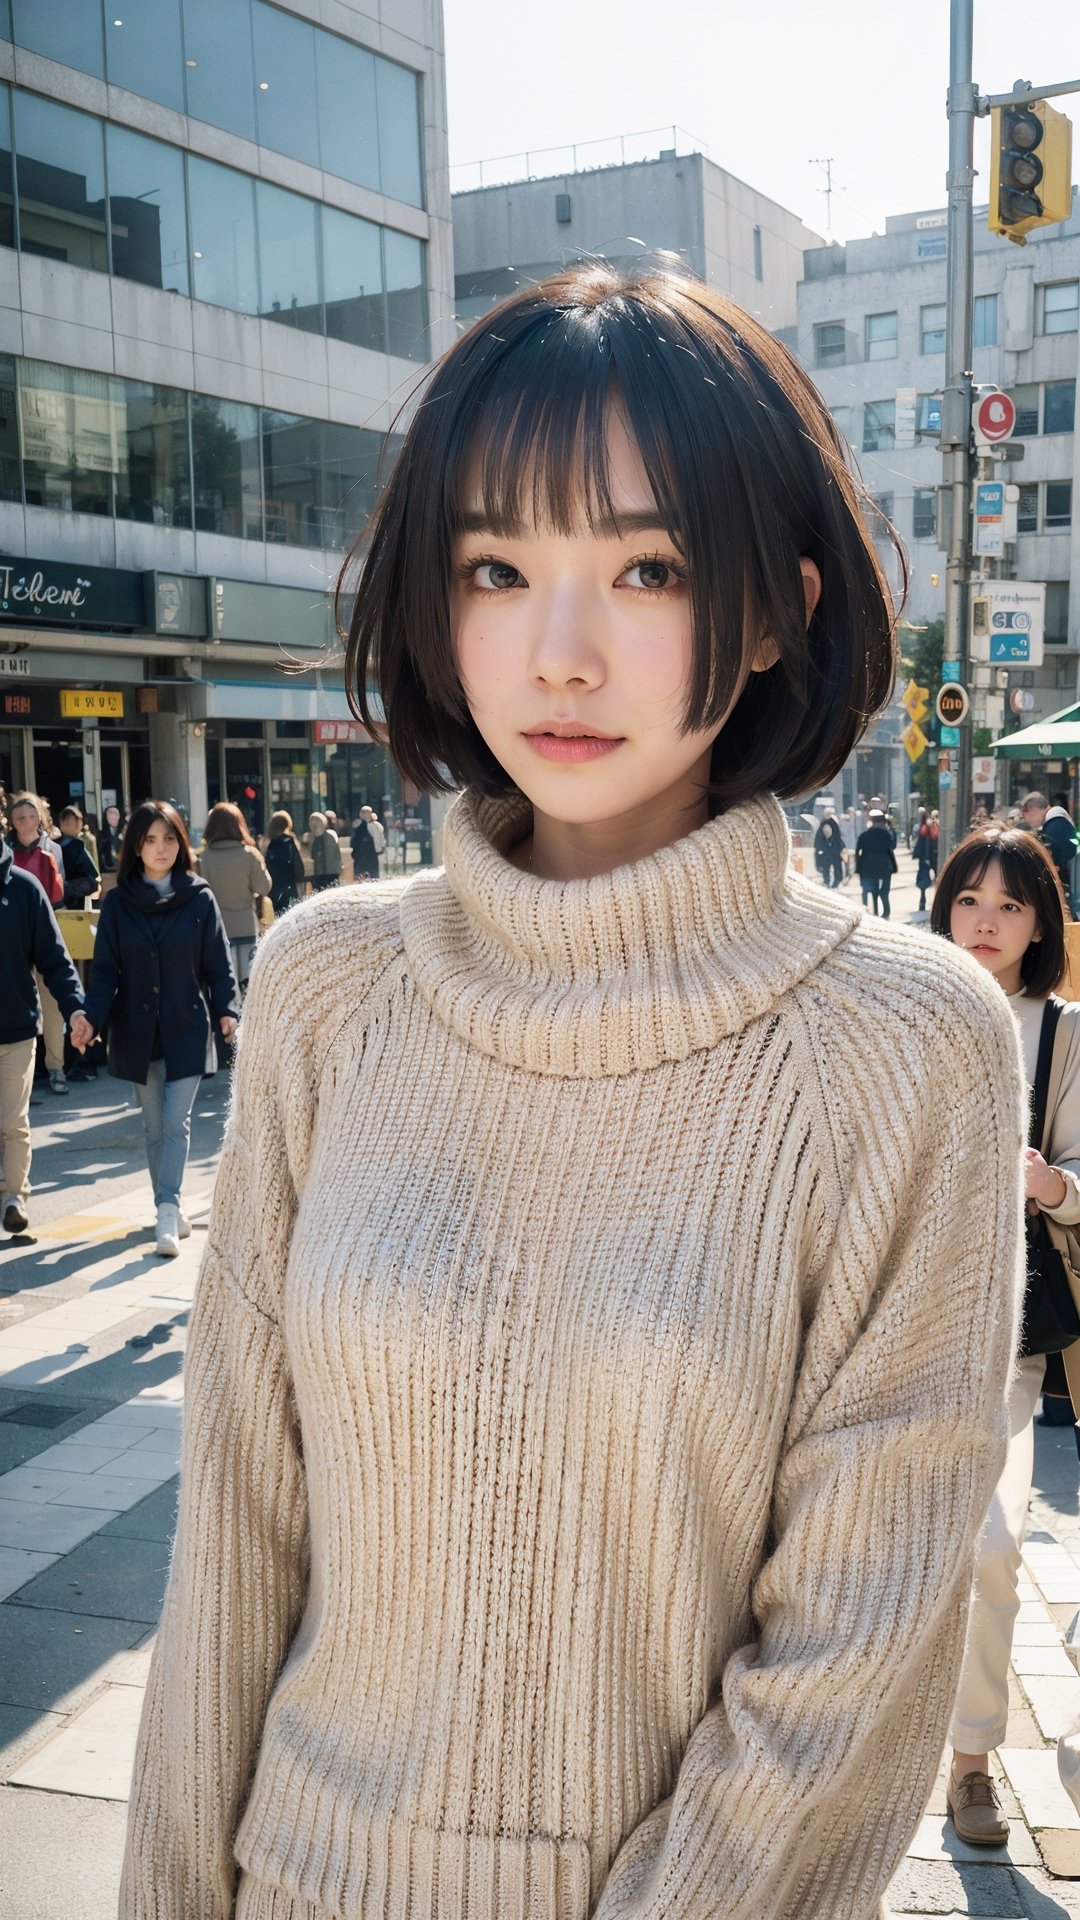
x: 33, y: 853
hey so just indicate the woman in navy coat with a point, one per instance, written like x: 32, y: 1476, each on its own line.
x: 160, y: 955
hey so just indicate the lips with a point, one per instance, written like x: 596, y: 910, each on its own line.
x: 567, y: 730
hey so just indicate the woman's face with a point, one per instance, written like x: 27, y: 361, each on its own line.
x: 159, y: 849
x: 994, y: 927
x: 112, y: 816
x: 26, y: 824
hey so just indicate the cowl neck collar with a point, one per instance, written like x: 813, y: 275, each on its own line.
x: 650, y: 962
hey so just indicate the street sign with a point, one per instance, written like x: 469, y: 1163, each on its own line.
x: 990, y: 517
x: 950, y: 736
x: 914, y: 741
x: 945, y: 780
x: 1008, y: 619
x: 915, y: 701
x: 950, y: 670
x: 993, y: 417
x: 953, y: 705
x: 1021, y: 700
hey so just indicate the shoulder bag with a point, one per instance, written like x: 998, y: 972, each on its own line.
x: 1051, y: 1317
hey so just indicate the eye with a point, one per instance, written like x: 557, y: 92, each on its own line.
x: 652, y: 575
x: 492, y: 576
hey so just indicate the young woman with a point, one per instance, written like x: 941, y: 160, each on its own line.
x: 35, y: 851
x: 577, y: 1518
x: 284, y: 863
x: 999, y: 898
x: 235, y: 872
x: 160, y: 954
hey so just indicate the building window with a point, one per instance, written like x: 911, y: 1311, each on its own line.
x: 928, y: 415
x: 144, y: 50
x: 7, y: 172
x: 397, y: 99
x: 1057, y: 510
x: 72, y: 438
x: 154, y: 467
x: 924, y: 514
x: 10, y: 465
x: 1026, y: 402
x: 1061, y: 307
x: 225, y: 444
x: 932, y: 330
x: 881, y: 336
x: 64, y: 30
x: 884, y: 505
x: 288, y: 258
x: 348, y: 116
x: 219, y: 65
x: 1064, y: 673
x: 286, y: 104
x: 224, y: 263
x: 147, y: 213
x: 879, y: 426
x: 829, y: 348
x: 758, y: 272
x: 1057, y: 613
x: 406, y: 296
x: 292, y: 467
x: 353, y: 280
x: 985, y: 320
x: 1059, y: 406
x: 1027, y: 509
x: 60, y: 170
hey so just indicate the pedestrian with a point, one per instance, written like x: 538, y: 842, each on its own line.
x: 325, y: 854
x: 1055, y: 829
x: 829, y: 851
x: 81, y: 878
x: 109, y: 840
x: 284, y: 862
x: 235, y: 871
x: 365, y: 859
x: 580, y: 1522
x: 999, y: 897
x: 375, y: 828
x: 159, y: 956
x: 875, y: 863
x: 35, y: 852
x: 31, y: 948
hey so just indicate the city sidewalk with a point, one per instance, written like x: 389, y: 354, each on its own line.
x: 92, y: 1329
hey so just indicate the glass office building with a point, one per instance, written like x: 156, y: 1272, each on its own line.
x: 224, y: 263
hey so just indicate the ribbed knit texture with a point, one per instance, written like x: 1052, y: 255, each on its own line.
x: 595, y: 1388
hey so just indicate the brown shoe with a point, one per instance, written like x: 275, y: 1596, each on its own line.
x: 975, y: 1810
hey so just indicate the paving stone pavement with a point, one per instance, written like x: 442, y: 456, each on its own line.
x: 92, y: 1328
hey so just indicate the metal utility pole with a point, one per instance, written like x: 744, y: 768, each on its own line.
x: 956, y: 399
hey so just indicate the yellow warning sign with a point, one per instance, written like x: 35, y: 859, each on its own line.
x: 914, y: 741
x: 916, y: 702
x: 81, y: 703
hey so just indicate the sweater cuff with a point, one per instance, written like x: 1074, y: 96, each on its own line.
x: 1068, y: 1214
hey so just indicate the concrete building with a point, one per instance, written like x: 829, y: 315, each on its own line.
x: 225, y: 255
x: 871, y: 330
x: 733, y: 237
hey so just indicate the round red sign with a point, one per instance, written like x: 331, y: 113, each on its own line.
x: 995, y: 417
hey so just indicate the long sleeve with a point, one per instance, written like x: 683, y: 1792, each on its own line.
x: 799, y: 1789
x: 105, y: 969
x: 216, y: 966
x: 53, y: 962
x: 1064, y: 1142
x: 239, y: 1568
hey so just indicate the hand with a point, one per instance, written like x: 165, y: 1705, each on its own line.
x: 82, y: 1033
x: 1043, y: 1184
x: 228, y: 1026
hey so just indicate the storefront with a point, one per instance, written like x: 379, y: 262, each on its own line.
x: 1043, y: 758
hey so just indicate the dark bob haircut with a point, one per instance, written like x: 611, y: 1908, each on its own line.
x: 748, y: 473
x: 1027, y: 874
x: 146, y: 814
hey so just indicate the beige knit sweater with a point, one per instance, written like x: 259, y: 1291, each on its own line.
x: 595, y: 1389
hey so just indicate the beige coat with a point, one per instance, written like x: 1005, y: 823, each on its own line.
x: 236, y: 875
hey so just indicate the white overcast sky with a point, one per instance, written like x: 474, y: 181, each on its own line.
x: 765, y: 85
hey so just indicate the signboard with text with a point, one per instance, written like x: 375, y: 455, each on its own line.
x: 48, y: 593
x: 1008, y: 621
x: 990, y: 517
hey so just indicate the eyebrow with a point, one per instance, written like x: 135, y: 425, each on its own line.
x: 610, y: 526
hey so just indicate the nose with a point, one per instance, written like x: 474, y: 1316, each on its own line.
x: 567, y: 638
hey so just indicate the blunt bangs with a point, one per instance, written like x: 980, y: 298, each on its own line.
x: 1028, y: 875
x: 747, y: 473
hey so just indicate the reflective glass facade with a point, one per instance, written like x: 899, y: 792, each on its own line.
x: 252, y: 68
x: 101, y: 196
x: 95, y: 443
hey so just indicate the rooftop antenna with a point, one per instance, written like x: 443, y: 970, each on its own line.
x: 827, y: 189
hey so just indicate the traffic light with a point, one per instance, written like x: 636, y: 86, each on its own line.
x: 1030, y: 169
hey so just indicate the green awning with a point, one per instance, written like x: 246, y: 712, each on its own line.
x: 1057, y: 737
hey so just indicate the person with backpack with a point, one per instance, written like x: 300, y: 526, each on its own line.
x: 82, y: 880
x: 1055, y: 829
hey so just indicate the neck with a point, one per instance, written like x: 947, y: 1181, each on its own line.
x: 572, y: 850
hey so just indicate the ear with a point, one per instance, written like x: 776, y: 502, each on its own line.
x: 767, y: 653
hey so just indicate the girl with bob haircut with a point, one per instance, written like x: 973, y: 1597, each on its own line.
x: 160, y: 955
x: 582, y: 1523
x: 999, y: 897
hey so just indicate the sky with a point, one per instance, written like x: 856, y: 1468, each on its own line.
x: 766, y: 87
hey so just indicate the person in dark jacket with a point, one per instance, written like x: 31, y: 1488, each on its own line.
x: 365, y: 860
x: 1055, y: 829
x: 81, y: 877
x: 109, y: 841
x: 29, y: 941
x: 284, y: 862
x: 875, y: 863
x: 829, y: 851
x: 161, y: 953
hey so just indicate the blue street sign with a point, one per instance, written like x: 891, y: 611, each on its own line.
x: 945, y: 780
x: 950, y: 670
x: 990, y: 498
x: 950, y: 737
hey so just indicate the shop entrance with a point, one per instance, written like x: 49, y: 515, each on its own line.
x: 58, y: 769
